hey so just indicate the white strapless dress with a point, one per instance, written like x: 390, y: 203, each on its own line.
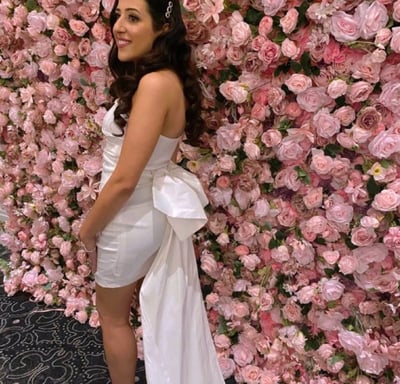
x: 151, y: 236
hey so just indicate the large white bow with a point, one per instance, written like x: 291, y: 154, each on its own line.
x: 178, y: 347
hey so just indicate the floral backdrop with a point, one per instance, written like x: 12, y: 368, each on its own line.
x: 300, y: 260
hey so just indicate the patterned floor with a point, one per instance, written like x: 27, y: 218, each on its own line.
x: 41, y: 346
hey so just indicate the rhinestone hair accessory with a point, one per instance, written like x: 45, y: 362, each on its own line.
x: 169, y: 9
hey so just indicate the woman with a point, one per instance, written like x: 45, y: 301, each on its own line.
x: 147, y: 209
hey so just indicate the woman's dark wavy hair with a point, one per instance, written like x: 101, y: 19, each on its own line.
x: 170, y: 51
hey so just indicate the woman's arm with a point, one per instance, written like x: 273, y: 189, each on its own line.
x: 146, y: 120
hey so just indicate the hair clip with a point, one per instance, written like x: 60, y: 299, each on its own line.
x: 168, y: 12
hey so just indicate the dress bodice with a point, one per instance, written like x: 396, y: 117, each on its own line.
x: 160, y: 157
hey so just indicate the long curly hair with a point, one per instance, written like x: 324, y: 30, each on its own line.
x: 170, y: 51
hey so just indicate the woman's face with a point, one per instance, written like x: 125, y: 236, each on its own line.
x: 133, y: 31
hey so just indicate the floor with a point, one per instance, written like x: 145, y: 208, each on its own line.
x: 42, y: 346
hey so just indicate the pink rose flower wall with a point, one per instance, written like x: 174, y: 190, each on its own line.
x: 301, y: 162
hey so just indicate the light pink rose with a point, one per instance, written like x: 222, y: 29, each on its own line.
x: 331, y: 257
x: 191, y: 5
x: 396, y: 10
x: 242, y: 355
x: 331, y: 289
x: 78, y: 27
x: 345, y: 27
x: 320, y: 163
x: 292, y: 312
x: 250, y: 261
x: 290, y: 49
x: 89, y: 11
x: 290, y: 150
x: 392, y: 238
x: 228, y: 137
x: 340, y: 213
x: 383, y: 37
x: 269, y: 52
x: 326, y: 125
x: 252, y: 150
x: 36, y: 23
x: 246, y: 233
x: 384, y: 144
x: 280, y: 254
x: 265, y: 26
x: 348, y: 264
x: 363, y: 237
x: 345, y: 114
x: 359, y: 91
x: 298, y: 83
x: 303, y: 252
x: 395, y: 42
x: 373, y: 17
x: 241, y: 33
x: 306, y: 294
x: 288, y: 216
x: 98, y: 57
x: 240, y: 309
x: 313, y: 198
x: 208, y: 264
x: 234, y: 90
x: 251, y: 374
x: 313, y: 99
x: 337, y: 88
x: 386, y: 201
x: 227, y: 366
x: 289, y: 21
x: 271, y: 7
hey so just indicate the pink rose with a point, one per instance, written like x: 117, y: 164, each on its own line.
x: 227, y: 366
x: 191, y: 5
x: 383, y: 37
x: 313, y: 99
x: 386, y: 201
x: 98, y: 57
x: 209, y: 264
x: 303, y: 252
x: 396, y: 10
x: 298, y: 83
x: 252, y: 150
x: 337, y: 88
x: 363, y: 237
x: 384, y: 145
x: 78, y: 27
x: 241, y: 33
x: 289, y: 21
x: 320, y: 163
x: 344, y: 27
x: 246, y: 233
x: 395, y: 42
x: 271, y: 7
x: 251, y: 374
x: 250, y: 261
x: 373, y: 17
x: 345, y: 114
x: 359, y: 91
x: 306, y: 294
x: 348, y: 264
x: 313, y: 198
x: 331, y: 257
x: 326, y: 125
x: 269, y: 52
x: 228, y: 137
x: 226, y: 163
x: 265, y: 26
x: 89, y: 11
x: 217, y: 222
x: 331, y: 289
x: 234, y: 90
x: 292, y: 312
x: 340, y: 213
x: 287, y: 217
x: 290, y: 49
x: 240, y: 309
x: 242, y: 355
x: 280, y: 254
x: 61, y: 36
x: 290, y: 150
x: 390, y: 96
x: 369, y: 118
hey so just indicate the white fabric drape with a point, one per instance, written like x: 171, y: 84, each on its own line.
x: 178, y: 347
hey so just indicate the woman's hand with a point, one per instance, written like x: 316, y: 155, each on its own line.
x: 90, y: 247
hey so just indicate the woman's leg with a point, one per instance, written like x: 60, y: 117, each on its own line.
x: 114, y: 305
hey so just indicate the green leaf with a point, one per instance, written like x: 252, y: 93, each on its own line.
x: 275, y: 165
x: 302, y: 175
x: 373, y: 187
x: 253, y: 16
x: 306, y: 63
x: 332, y: 150
x: 274, y: 243
x: 297, y: 67
x: 31, y: 5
